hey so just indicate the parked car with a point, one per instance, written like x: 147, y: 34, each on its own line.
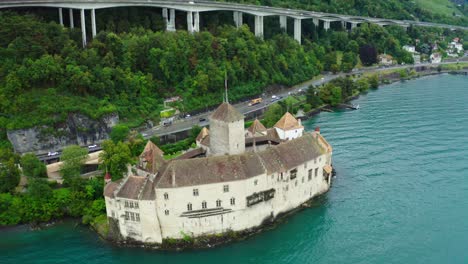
x: 202, y: 119
x: 53, y: 153
x: 92, y: 146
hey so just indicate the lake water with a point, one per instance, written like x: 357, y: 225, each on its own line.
x: 400, y: 196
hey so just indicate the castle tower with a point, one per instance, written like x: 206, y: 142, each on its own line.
x: 226, y: 131
x: 288, y: 127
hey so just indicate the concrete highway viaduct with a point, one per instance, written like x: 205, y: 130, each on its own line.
x: 193, y: 9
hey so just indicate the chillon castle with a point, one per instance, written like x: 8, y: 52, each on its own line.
x: 235, y: 180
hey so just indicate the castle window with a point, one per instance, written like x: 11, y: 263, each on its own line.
x: 218, y: 203
x: 293, y: 174
x: 126, y: 204
x: 166, y: 196
x: 137, y: 217
x: 316, y: 172
x: 255, y: 182
x: 131, y: 204
x: 315, y: 161
x: 189, y: 207
x: 295, y: 183
x: 127, y: 215
x: 166, y: 212
x: 195, y: 192
x: 226, y: 188
x: 203, y: 205
x: 136, y: 205
x: 132, y: 216
x: 305, y: 165
x: 233, y: 201
x: 310, y: 175
x: 281, y: 176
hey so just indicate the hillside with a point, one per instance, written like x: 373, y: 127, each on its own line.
x: 441, y: 11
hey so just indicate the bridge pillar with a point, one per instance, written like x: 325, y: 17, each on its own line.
x: 93, y: 22
x: 238, y: 18
x: 170, y: 19
x: 326, y: 25
x: 353, y: 25
x: 284, y: 23
x: 60, y: 16
x: 259, y: 26
x: 316, y: 21
x: 193, y: 21
x: 70, y: 13
x: 189, y: 22
x: 83, y: 27
x: 343, y: 24
x: 196, y: 22
x: 297, y: 30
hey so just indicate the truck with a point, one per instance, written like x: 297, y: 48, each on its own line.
x: 255, y: 101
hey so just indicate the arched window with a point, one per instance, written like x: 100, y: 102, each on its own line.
x: 189, y: 207
x: 218, y: 203
x: 233, y: 201
x: 203, y: 205
x: 166, y: 212
x: 166, y: 196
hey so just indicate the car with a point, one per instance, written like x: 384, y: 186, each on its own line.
x: 144, y: 134
x: 167, y: 123
x: 202, y: 119
x: 300, y: 90
x: 188, y: 116
x: 92, y: 146
x: 53, y: 153
x: 274, y: 97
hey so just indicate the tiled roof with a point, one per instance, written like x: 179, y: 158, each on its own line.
x: 214, y: 169
x: 152, y: 155
x: 203, y: 133
x: 290, y: 154
x: 282, y: 157
x: 132, y: 187
x: 288, y: 122
x: 227, y: 113
x: 110, y: 188
x: 257, y: 127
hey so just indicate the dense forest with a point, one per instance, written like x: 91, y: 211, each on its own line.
x: 423, y: 10
x: 129, y: 68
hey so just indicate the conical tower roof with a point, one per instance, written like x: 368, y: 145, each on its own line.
x: 288, y: 122
x: 203, y: 133
x: 257, y: 127
x: 227, y: 113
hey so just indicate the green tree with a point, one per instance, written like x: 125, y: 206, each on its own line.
x: 9, y: 172
x: 313, y: 98
x: 330, y: 94
x: 32, y: 166
x: 373, y: 81
x: 115, y: 158
x: 119, y: 133
x: 72, y: 158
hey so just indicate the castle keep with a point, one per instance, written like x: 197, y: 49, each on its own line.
x: 234, y: 180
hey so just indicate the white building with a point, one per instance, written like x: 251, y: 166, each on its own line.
x: 252, y: 177
x: 435, y: 58
x: 409, y: 48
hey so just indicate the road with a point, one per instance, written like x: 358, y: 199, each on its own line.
x: 243, y: 107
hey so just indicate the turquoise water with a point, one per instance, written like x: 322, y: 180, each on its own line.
x: 400, y: 196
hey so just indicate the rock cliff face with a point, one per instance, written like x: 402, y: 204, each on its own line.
x: 78, y: 129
